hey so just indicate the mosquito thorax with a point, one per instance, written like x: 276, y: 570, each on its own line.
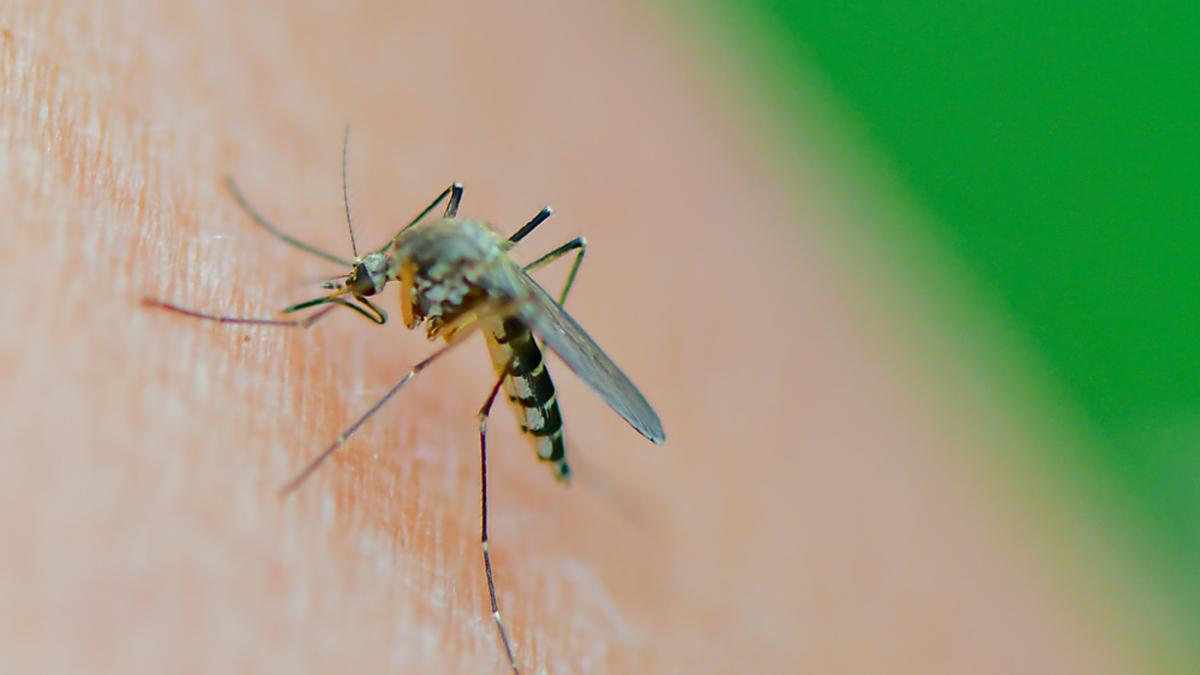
x: 439, y: 265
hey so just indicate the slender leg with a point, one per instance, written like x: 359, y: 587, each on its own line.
x: 454, y: 192
x: 295, y: 482
x: 576, y: 243
x: 538, y: 219
x: 375, y: 314
x: 294, y: 323
x: 380, y: 315
x: 484, y: 411
x: 266, y: 225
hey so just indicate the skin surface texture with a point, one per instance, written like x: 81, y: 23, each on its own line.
x: 812, y: 510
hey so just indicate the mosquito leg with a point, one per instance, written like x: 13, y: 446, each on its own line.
x: 371, y: 312
x: 299, y: 478
x: 454, y: 192
x: 219, y: 318
x: 380, y: 315
x: 374, y: 314
x: 538, y: 219
x: 579, y: 243
x: 484, y: 411
x: 266, y: 225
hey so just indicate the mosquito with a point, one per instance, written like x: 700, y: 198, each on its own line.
x: 456, y: 276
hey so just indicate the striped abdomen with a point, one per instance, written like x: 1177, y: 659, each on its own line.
x: 530, y: 389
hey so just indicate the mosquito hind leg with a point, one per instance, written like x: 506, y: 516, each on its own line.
x: 484, y: 411
x: 578, y: 243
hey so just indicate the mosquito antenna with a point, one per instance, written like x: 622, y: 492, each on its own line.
x: 346, y: 191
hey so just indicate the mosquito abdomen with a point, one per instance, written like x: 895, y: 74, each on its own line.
x: 530, y: 389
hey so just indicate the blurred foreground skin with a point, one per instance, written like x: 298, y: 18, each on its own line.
x: 808, y: 515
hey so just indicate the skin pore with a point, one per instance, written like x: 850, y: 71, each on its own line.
x: 802, y: 508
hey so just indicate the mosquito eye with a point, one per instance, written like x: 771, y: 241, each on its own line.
x: 359, y: 281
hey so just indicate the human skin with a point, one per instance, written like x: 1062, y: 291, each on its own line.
x: 803, y: 514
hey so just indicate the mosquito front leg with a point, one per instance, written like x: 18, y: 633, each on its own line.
x: 454, y: 192
x: 484, y: 411
x: 219, y: 318
x: 373, y: 313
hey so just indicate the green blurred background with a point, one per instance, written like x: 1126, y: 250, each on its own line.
x: 1056, y: 150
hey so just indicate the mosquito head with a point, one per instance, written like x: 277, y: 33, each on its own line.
x: 369, y: 276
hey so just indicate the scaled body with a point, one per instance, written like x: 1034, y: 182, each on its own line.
x: 455, y: 275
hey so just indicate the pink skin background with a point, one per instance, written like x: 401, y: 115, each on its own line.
x: 813, y: 509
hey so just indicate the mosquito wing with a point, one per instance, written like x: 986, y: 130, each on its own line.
x: 567, y: 338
